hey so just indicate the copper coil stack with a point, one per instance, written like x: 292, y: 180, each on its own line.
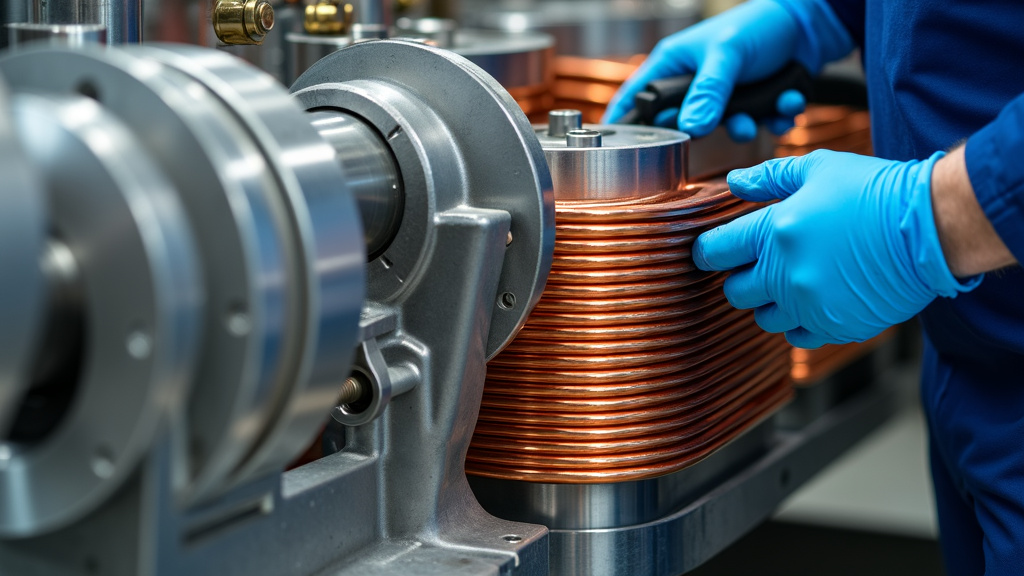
x: 831, y: 127
x: 633, y: 365
x: 588, y: 84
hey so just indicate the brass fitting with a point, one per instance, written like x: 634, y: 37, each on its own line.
x: 242, y: 21
x: 332, y: 17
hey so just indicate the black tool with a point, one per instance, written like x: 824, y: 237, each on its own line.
x: 758, y: 99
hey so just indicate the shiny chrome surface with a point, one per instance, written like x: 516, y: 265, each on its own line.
x: 121, y: 18
x: 370, y: 172
x: 56, y: 34
x: 629, y: 161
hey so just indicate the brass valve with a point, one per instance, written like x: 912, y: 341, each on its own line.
x: 332, y: 17
x: 242, y: 21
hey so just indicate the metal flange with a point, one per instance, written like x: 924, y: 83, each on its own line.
x: 117, y: 217
x: 279, y: 242
x: 327, y: 243
x: 459, y: 140
x: 22, y: 234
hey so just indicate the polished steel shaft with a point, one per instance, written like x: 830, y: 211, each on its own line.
x: 122, y: 18
x: 371, y: 173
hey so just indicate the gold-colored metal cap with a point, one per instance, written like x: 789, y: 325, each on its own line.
x: 243, y: 21
x: 332, y: 17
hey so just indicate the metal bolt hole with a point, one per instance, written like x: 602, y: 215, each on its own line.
x: 507, y: 301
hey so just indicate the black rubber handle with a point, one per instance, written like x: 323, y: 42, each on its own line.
x: 758, y: 99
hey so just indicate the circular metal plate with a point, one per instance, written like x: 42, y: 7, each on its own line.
x: 499, y: 163
x: 327, y: 246
x: 632, y: 161
x: 121, y: 220
x: 241, y: 220
x: 22, y: 233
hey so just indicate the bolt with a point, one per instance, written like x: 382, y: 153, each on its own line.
x: 242, y: 21
x: 264, y: 17
x: 583, y: 139
x: 351, y: 391
x: 329, y: 17
x: 560, y: 122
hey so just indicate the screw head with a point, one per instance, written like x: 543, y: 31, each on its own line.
x: 264, y: 17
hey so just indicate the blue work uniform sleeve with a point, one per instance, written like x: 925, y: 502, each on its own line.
x: 995, y: 166
x: 852, y: 14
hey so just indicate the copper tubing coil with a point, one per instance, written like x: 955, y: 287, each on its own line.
x: 576, y: 370
x: 624, y: 422
x: 686, y: 455
x: 630, y: 381
x: 588, y: 84
x: 654, y: 443
x: 569, y: 246
x: 546, y: 334
x: 707, y: 338
x: 610, y: 379
x: 533, y: 397
x: 628, y: 302
x: 618, y: 290
x: 691, y: 341
x: 812, y: 366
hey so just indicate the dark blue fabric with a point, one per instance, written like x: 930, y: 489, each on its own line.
x: 940, y: 72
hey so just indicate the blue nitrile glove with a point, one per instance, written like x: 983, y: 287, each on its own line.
x: 744, y: 44
x: 849, y: 251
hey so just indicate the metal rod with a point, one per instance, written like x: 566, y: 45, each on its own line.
x: 371, y: 172
x: 122, y: 18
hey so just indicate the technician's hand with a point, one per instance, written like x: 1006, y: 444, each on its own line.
x: 849, y: 251
x: 744, y: 44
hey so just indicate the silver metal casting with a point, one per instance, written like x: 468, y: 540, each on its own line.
x: 614, y: 161
x: 142, y: 310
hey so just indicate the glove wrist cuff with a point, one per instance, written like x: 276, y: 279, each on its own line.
x: 921, y: 236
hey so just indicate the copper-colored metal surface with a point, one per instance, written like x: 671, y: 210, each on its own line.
x: 588, y: 85
x: 813, y: 366
x: 633, y: 364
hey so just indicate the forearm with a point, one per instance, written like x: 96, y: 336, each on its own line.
x: 969, y: 241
